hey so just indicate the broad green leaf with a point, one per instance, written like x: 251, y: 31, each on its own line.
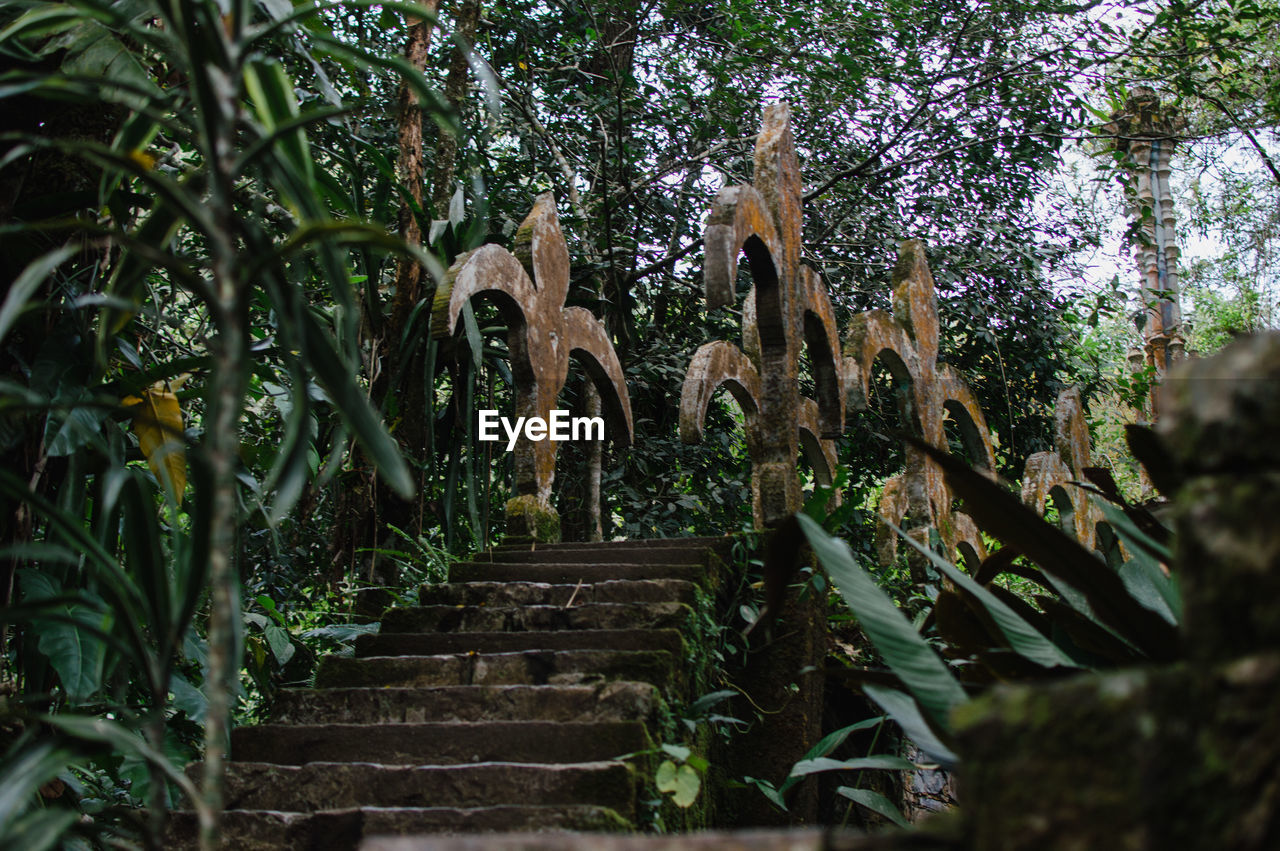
x: 906, y: 652
x: 902, y: 709
x: 77, y: 656
x: 883, y: 762
x: 281, y: 647
x: 875, y: 802
x: 188, y: 698
x: 1025, y: 639
x: 681, y: 782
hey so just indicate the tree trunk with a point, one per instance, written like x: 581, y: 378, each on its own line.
x: 455, y: 91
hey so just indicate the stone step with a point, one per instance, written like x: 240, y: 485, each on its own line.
x: 716, y: 542
x: 574, y: 572
x: 342, y: 830
x: 544, y: 594
x: 616, y: 553
x: 612, y: 701
x: 442, y: 743
x: 771, y: 839
x: 555, y: 667
x: 434, y: 644
x: 527, y: 618
x: 344, y: 785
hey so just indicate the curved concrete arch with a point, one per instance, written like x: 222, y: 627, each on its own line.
x: 740, y: 223
x: 960, y: 403
x: 586, y: 342
x: 820, y: 453
x: 716, y: 365
x: 821, y: 340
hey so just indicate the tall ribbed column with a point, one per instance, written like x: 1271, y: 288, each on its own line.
x: 1144, y: 131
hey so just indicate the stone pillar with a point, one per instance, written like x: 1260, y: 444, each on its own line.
x: 1144, y: 131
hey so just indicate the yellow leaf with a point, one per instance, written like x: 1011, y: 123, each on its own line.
x: 143, y: 159
x: 157, y: 421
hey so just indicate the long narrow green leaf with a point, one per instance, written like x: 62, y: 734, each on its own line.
x: 28, y: 281
x: 875, y: 802
x: 25, y: 768
x: 1025, y: 639
x: 906, y: 652
x: 879, y: 762
x: 355, y: 409
x: 1001, y: 514
x: 906, y: 712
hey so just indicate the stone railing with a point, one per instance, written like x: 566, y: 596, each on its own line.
x: 788, y: 310
x: 787, y: 314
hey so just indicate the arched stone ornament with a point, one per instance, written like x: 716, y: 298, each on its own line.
x: 1052, y: 475
x: 529, y: 288
x: 786, y: 310
x: 906, y: 343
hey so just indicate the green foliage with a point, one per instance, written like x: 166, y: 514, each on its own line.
x: 1089, y: 610
x: 224, y: 253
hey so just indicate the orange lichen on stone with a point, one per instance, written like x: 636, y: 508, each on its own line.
x: 529, y: 288
x: 906, y: 343
x: 787, y: 309
x: 1052, y: 475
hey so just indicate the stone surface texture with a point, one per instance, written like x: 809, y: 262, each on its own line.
x: 786, y: 312
x: 555, y: 735
x: 529, y: 288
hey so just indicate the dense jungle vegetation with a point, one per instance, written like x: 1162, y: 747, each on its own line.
x: 223, y: 419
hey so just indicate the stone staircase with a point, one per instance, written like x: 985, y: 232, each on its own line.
x: 502, y: 702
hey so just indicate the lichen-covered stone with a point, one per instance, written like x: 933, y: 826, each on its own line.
x: 532, y: 516
x: 1222, y: 412
x: 787, y: 312
x: 529, y: 288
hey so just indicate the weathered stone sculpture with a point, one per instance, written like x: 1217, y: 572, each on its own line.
x: 787, y: 308
x: 1052, y: 475
x: 906, y: 343
x: 529, y: 289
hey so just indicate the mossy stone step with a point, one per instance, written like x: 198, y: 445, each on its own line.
x: 346, y: 785
x: 586, y: 572
x: 342, y: 830
x: 440, y: 743
x: 437, y: 643
x: 555, y: 667
x: 611, y: 701
x: 525, y: 618
x: 613, y: 553
x: 719, y: 543
x: 546, y: 594
x: 789, y: 839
